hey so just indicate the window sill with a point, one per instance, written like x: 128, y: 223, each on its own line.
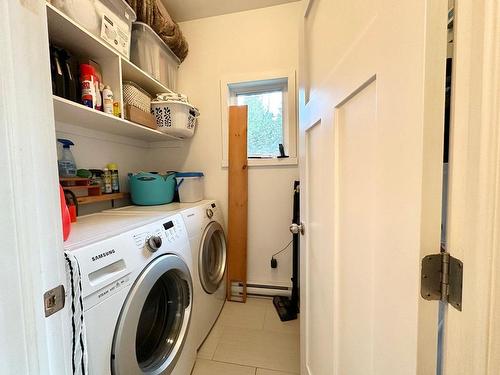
x: 267, y: 162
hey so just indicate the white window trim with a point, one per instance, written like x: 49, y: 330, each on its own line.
x: 289, y: 113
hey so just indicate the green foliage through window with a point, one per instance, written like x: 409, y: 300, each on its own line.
x: 265, y: 122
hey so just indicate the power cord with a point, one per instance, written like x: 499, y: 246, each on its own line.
x: 274, y: 261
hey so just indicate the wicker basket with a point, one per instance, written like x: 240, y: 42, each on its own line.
x: 136, y: 96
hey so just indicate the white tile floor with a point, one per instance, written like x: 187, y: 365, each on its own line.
x: 250, y: 339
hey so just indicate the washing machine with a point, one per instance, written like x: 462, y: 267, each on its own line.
x: 137, y: 290
x: 204, y: 224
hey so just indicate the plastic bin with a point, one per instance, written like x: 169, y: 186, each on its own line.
x: 190, y: 186
x: 110, y: 20
x: 152, y: 55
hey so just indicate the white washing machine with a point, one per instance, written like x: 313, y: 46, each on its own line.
x: 204, y: 223
x: 137, y: 292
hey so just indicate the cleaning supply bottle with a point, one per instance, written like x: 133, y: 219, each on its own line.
x: 87, y: 82
x: 115, y: 179
x: 107, y: 98
x: 66, y: 163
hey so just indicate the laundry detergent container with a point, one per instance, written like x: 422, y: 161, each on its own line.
x: 149, y: 189
x: 190, y: 186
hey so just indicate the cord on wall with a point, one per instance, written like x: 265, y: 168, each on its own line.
x: 274, y: 261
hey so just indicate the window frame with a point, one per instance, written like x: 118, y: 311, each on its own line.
x: 254, y: 83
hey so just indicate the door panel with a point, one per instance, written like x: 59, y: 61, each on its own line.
x: 371, y: 136
x: 319, y: 291
x: 357, y: 165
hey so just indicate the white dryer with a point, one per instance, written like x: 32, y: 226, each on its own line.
x: 204, y: 223
x: 137, y: 292
x: 205, y: 227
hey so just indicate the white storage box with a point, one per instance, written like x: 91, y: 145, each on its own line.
x: 152, y: 55
x: 111, y: 20
x: 174, y: 115
x: 190, y: 186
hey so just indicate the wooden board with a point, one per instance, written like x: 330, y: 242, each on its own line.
x: 238, y: 202
x: 102, y: 198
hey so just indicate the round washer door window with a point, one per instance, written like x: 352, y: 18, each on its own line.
x: 154, y: 320
x: 212, y: 262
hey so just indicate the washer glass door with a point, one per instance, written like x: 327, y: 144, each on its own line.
x: 154, y: 320
x: 212, y: 262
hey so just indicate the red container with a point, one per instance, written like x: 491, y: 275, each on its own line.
x: 65, y: 216
x: 87, y: 83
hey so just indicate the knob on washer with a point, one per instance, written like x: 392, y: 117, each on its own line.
x: 154, y: 243
x: 210, y: 213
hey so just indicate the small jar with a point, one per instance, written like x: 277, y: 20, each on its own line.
x: 108, y: 189
x: 97, y: 179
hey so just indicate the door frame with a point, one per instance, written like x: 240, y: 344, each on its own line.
x: 31, y: 230
x: 472, y: 337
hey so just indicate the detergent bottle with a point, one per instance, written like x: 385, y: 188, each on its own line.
x: 66, y: 162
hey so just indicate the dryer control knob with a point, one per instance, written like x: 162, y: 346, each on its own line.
x: 154, y: 243
x: 210, y: 213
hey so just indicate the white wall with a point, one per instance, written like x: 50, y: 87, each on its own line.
x: 255, y: 41
x: 93, y: 150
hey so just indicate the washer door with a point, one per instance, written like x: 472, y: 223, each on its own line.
x: 154, y: 320
x: 212, y: 261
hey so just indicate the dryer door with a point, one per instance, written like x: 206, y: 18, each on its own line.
x: 154, y: 320
x: 212, y: 261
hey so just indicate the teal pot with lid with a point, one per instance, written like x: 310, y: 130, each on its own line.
x: 150, y: 189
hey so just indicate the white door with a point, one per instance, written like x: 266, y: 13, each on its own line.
x: 371, y: 137
x: 31, y: 252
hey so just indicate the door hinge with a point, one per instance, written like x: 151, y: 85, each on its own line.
x: 53, y: 300
x: 442, y: 277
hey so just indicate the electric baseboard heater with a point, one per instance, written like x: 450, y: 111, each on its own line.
x: 288, y: 308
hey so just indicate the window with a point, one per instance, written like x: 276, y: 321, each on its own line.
x: 271, y: 117
x: 265, y: 122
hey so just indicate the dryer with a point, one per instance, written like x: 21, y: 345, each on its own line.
x: 205, y: 227
x: 137, y: 293
x: 204, y: 223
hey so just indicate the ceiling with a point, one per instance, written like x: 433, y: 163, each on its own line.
x: 185, y: 10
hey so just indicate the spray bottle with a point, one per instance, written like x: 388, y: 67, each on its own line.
x: 66, y: 162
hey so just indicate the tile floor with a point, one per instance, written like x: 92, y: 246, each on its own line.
x: 250, y: 339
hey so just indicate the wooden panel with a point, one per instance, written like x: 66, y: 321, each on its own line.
x: 238, y: 202
x: 102, y: 198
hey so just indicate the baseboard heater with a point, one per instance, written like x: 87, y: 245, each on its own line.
x: 261, y: 290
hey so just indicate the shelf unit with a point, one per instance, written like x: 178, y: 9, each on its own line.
x: 66, y: 33
x: 77, y: 114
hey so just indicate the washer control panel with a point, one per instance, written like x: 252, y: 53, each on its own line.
x: 174, y: 229
x: 170, y: 231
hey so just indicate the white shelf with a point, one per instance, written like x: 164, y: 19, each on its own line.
x: 68, y: 112
x: 131, y: 72
x: 66, y: 33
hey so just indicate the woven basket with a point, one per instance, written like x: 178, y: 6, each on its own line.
x: 136, y: 96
